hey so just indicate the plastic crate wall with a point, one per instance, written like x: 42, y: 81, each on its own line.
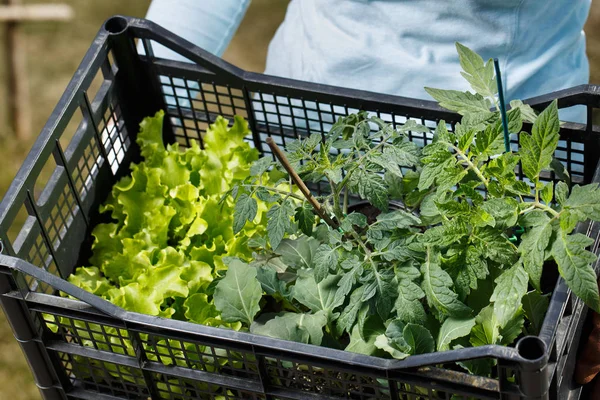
x: 92, y: 349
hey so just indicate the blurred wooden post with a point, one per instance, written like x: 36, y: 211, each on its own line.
x: 12, y: 13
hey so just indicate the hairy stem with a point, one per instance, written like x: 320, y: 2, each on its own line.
x: 470, y: 164
x: 299, y: 182
x: 275, y: 190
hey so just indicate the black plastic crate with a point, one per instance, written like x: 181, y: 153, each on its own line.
x: 91, y: 349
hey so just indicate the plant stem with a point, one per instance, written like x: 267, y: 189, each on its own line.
x: 345, y: 200
x: 472, y: 166
x: 275, y: 190
x: 542, y: 207
x: 300, y: 183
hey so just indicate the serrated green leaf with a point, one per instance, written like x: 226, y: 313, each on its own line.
x: 278, y: 222
x: 397, y: 219
x: 574, y: 264
x: 405, y: 154
x: 453, y: 328
x: 479, y: 75
x: 245, y: 210
x: 305, y: 217
x: 538, y: 148
x: 370, y: 187
x: 407, y: 271
x: 535, y: 306
x: 325, y: 260
x: 353, y: 270
x: 513, y: 328
x: 270, y: 283
x: 237, y: 295
x: 387, y: 292
x: 437, y: 287
x: 561, y: 192
x: 504, y: 210
x: 408, y: 305
x: 351, y: 219
x: 261, y: 165
x: 486, y: 329
x: 348, y: 315
x: 532, y: 248
x: 527, y: 112
x: 584, y: 202
x: 460, y: 102
x: 510, y: 288
x: 547, y: 192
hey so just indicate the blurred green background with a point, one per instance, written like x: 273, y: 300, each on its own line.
x: 54, y: 51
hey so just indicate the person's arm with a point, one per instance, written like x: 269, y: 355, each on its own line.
x: 209, y: 24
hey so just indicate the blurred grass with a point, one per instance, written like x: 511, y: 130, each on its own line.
x: 54, y: 51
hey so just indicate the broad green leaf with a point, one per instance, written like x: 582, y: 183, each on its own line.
x: 278, y: 222
x: 437, y: 286
x: 245, y: 210
x: 532, y: 248
x: 305, y: 217
x: 510, y: 288
x: 382, y: 342
x: 325, y: 259
x: 535, y: 306
x: 461, y: 102
x: 453, y: 328
x: 317, y: 297
x: 574, y: 264
x: 538, y: 148
x: 298, y: 253
x: 408, y: 305
x: 303, y: 328
x: 361, y: 345
x: 419, y: 339
x: 237, y: 295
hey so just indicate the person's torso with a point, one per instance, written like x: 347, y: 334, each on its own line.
x: 400, y: 46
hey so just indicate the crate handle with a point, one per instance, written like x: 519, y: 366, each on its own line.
x: 62, y: 285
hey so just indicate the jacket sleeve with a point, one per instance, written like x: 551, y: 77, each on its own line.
x: 209, y: 24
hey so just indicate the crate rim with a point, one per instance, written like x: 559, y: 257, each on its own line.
x: 147, y: 29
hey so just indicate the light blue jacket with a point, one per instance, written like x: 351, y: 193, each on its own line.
x: 400, y: 46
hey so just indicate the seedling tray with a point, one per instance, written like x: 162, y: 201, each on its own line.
x: 83, y: 347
